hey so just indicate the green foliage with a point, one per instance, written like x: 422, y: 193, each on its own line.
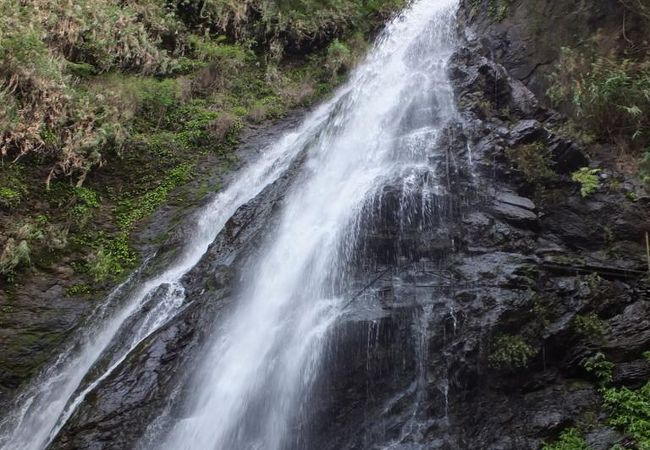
x: 610, y: 96
x: 142, y: 88
x: 12, y: 185
x: 534, y: 161
x: 80, y: 202
x: 133, y: 210
x: 112, y: 256
x: 339, y: 57
x: 498, y: 10
x: 14, y: 255
x: 87, y: 197
x: 56, y: 95
x: 644, y: 167
x: 600, y: 368
x: 570, y: 439
x: 629, y: 410
x: 300, y: 21
x: 78, y: 290
x: 589, y: 326
x: 510, y: 352
x: 588, y: 179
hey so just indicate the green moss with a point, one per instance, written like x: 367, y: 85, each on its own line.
x: 510, y: 352
x: 9, y: 197
x: 133, y: 210
x: 570, y: 439
x: 588, y: 179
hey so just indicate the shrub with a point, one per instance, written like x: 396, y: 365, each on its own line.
x: 589, y: 326
x: 598, y: 366
x: 588, y: 179
x: 78, y: 290
x: 338, y: 57
x: 534, y: 161
x: 570, y: 439
x: 629, y: 410
x: 510, y: 352
x: 611, y: 96
x: 13, y: 256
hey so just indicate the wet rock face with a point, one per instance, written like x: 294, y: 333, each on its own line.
x: 131, y: 407
x: 416, y: 365
x: 528, y: 38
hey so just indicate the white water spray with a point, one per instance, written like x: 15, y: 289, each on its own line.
x: 43, y: 409
x: 256, y: 376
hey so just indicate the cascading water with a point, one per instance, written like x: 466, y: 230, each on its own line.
x: 253, y: 387
x: 43, y: 409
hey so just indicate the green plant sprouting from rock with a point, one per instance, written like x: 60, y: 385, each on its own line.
x: 629, y: 411
x: 510, y: 352
x: 569, y: 439
x: 534, y: 161
x: 598, y: 366
x: 588, y: 179
x: 589, y: 326
x: 609, y: 95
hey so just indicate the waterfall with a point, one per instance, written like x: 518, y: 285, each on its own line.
x: 252, y: 389
x: 43, y: 409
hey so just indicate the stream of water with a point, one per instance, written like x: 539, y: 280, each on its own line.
x: 380, y: 128
x: 257, y: 374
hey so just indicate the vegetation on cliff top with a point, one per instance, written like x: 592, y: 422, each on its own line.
x: 608, y: 94
x: 124, y: 98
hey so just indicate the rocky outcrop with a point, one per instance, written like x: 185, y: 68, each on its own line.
x: 526, y: 36
x: 121, y: 408
x: 527, y: 261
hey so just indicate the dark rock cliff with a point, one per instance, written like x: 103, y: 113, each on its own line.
x: 471, y: 337
x: 526, y: 36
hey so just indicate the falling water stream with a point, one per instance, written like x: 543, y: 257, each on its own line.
x: 260, y: 368
x: 381, y: 128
